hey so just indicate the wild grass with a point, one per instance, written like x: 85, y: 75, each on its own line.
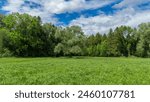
x: 74, y: 71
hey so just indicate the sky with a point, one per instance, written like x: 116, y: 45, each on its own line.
x: 91, y: 15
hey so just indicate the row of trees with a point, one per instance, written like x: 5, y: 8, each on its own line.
x: 26, y: 36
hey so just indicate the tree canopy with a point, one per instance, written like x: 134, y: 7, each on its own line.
x: 26, y: 36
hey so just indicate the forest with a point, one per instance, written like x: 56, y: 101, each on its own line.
x: 23, y: 35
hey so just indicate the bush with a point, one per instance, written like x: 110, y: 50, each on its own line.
x: 5, y: 53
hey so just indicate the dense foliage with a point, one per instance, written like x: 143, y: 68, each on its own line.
x: 26, y: 36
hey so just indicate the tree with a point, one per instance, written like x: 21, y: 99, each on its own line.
x: 4, y: 52
x: 27, y: 37
x: 49, y: 39
x: 104, y: 49
x: 1, y: 40
x: 120, y: 41
x: 3, y: 37
x: 2, y: 33
x: 71, y: 41
x: 131, y: 41
x: 1, y: 21
x: 143, y: 46
x: 93, y: 42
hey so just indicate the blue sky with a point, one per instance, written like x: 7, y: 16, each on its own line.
x: 92, y: 15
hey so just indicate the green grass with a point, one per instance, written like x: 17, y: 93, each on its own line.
x: 74, y: 71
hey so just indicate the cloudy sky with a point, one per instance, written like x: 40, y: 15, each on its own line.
x: 92, y: 15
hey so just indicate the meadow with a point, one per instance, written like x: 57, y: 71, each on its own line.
x: 75, y: 71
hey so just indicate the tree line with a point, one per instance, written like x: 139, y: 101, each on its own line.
x: 23, y: 35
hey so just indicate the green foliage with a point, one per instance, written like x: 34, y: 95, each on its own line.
x: 26, y: 36
x: 49, y: 39
x: 143, y: 45
x: 1, y: 21
x: 3, y: 37
x: 71, y: 41
x: 118, y: 41
x: 94, y: 44
x: 59, y: 49
x: 5, y: 53
x: 103, y: 47
x: 1, y: 41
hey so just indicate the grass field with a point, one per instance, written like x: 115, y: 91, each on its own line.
x: 74, y: 71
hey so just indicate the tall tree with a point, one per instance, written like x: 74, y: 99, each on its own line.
x: 1, y: 21
x: 50, y: 42
x: 3, y: 37
x: 71, y: 41
x: 143, y: 46
x: 120, y: 41
x: 26, y: 37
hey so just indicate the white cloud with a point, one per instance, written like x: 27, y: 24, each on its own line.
x: 60, y: 6
x: 13, y: 5
x: 102, y: 23
x: 21, y: 7
x: 128, y: 15
x: 130, y: 3
x: 49, y: 8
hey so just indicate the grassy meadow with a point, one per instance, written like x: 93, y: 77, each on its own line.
x: 74, y: 71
